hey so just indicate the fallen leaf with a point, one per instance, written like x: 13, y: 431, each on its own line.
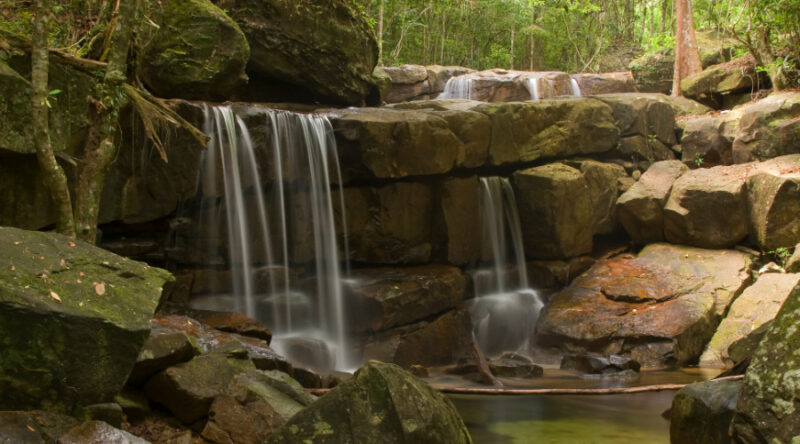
x: 100, y: 288
x: 63, y: 263
x: 78, y: 281
x: 54, y: 295
x: 13, y: 268
x: 72, y: 244
x: 30, y: 428
x: 17, y: 243
x: 80, y: 273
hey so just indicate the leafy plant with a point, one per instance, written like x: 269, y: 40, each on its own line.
x: 698, y: 160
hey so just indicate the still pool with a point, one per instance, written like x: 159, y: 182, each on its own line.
x: 582, y: 419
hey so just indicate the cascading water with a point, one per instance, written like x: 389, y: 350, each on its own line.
x: 505, y: 309
x: 261, y: 224
x: 576, y: 89
x: 458, y: 87
x: 533, y: 87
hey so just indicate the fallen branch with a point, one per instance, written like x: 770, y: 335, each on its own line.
x: 556, y: 391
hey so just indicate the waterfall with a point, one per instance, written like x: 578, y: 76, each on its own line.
x: 505, y: 309
x: 576, y: 89
x: 265, y: 195
x: 533, y: 87
x: 458, y: 87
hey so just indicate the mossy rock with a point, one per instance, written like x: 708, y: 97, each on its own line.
x: 197, y: 52
x: 702, y: 412
x: 325, y: 48
x: 381, y: 403
x: 72, y: 320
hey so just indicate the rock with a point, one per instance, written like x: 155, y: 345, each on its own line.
x: 56, y: 293
x: 456, y: 221
x: 196, y: 52
x: 439, y: 341
x: 725, y: 78
x: 419, y: 371
x: 254, y: 405
x: 554, y: 203
x: 599, y: 365
x: 702, y: 412
x: 757, y: 305
x: 743, y: 349
x: 641, y: 149
x: 641, y: 208
x: 108, y: 412
x: 557, y: 274
x: 409, y: 82
x: 524, y: 132
x: 34, y: 427
x: 232, y: 323
x: 641, y: 114
x: 24, y: 199
x: 602, y: 179
x: 388, y: 143
x: 389, y: 297
x: 134, y: 404
x: 473, y: 129
x: 164, y: 348
x: 385, y: 404
x: 658, y: 308
x: 773, y: 192
x: 188, y: 389
x: 653, y: 72
x: 501, y: 85
x: 769, y: 128
x: 390, y: 224
x: 708, y: 141
x: 793, y: 263
x: 514, y: 365
x: 767, y: 408
x: 382, y: 81
x: 325, y: 50
x: 439, y: 75
x: 98, y: 432
x: 707, y: 208
x: 605, y: 83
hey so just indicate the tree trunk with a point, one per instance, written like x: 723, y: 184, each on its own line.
x: 380, y: 33
x: 100, y: 147
x: 687, y: 58
x: 511, y: 49
x: 54, y: 178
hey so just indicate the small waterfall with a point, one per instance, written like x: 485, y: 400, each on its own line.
x: 458, y: 87
x: 261, y: 209
x: 576, y: 89
x: 533, y: 87
x: 505, y: 309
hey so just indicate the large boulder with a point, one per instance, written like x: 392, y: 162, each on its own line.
x: 659, y: 308
x: 702, y: 412
x: 769, y: 128
x: 707, y: 207
x: 456, y: 221
x: 555, y: 211
x: 768, y: 410
x: 708, y: 140
x: 605, y: 82
x: 439, y: 75
x: 383, y: 404
x: 641, y: 208
x: 643, y: 115
x: 34, y: 427
x: 773, y: 191
x: 603, y: 181
x: 75, y: 313
x: 409, y: 82
x: 99, y: 432
x: 325, y: 49
x: 390, y: 297
x: 757, y: 305
x: 725, y: 78
x: 524, y: 132
x: 195, y: 52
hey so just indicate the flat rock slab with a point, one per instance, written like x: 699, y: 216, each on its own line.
x: 73, y: 318
x: 660, y: 307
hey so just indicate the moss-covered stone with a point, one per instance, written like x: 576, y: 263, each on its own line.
x: 725, y: 78
x: 702, y: 412
x: 324, y: 47
x: 769, y: 128
x: 197, y: 51
x: 381, y: 403
x: 774, y: 203
x: 72, y: 319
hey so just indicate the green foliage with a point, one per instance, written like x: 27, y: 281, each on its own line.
x: 698, y: 160
x: 781, y: 254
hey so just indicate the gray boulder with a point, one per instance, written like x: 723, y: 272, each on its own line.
x: 773, y: 192
x: 702, y: 412
x: 769, y: 128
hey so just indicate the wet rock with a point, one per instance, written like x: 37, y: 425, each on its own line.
x: 555, y: 211
x: 774, y: 203
x: 196, y: 52
x: 557, y: 274
x: 767, y: 409
x: 702, y: 412
x: 758, y: 304
x: 419, y: 371
x: 641, y: 208
x: 232, y: 323
x: 388, y: 143
x: 725, y: 78
x: 707, y: 208
x: 514, y: 365
x: 66, y: 306
x: 438, y: 341
x: 385, y: 404
x: 768, y: 128
x: 33, y: 427
x: 188, y: 389
x: 308, y: 351
x: 307, y: 377
x: 391, y: 297
x: 643, y: 115
x: 324, y: 51
x: 254, y: 405
x: 605, y: 82
x: 708, y: 141
x: 659, y: 308
x: 504, y: 321
x: 439, y: 75
x: 390, y: 224
x: 524, y: 132
x: 599, y: 365
x: 164, y: 348
x: 98, y: 432
x: 456, y: 221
